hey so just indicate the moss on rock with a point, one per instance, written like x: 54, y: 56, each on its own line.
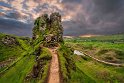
x: 48, y: 29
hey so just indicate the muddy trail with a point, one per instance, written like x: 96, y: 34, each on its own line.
x: 54, y: 67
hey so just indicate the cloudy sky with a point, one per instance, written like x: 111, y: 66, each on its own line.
x: 79, y: 17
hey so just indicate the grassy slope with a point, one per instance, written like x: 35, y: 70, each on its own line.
x: 14, y: 51
x: 74, y: 69
x: 69, y: 72
x: 17, y: 70
x: 109, y: 48
x: 97, y: 71
x: 8, y: 51
x: 47, y: 56
x: 101, y: 50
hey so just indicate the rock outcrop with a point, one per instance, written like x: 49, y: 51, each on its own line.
x: 9, y: 40
x: 48, y: 29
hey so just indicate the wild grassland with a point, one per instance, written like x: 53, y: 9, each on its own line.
x: 99, y: 72
x: 107, y: 48
x: 70, y: 73
x: 10, y: 54
x: 73, y: 68
x: 24, y: 59
x: 8, y: 51
x: 17, y: 73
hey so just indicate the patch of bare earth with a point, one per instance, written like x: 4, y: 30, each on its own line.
x: 54, y: 67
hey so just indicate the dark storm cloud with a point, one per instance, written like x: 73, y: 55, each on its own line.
x: 106, y: 6
x: 15, y: 27
x: 97, y: 17
x: 71, y: 1
x: 14, y: 15
x: 5, y: 4
x: 79, y: 16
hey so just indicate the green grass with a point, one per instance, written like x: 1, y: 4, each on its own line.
x: 106, y: 38
x: 101, y: 73
x: 18, y: 72
x: 70, y: 73
x: 73, y: 68
x: 8, y: 51
x: 45, y: 53
x: 90, y: 45
x: 23, y: 52
x: 46, y: 56
x: 16, y: 51
x: 103, y: 47
x: 102, y: 50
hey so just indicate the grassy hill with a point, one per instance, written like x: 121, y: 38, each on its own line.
x: 22, y: 61
x: 18, y: 58
x: 106, y: 48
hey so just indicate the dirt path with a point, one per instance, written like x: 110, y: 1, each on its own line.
x: 54, y: 67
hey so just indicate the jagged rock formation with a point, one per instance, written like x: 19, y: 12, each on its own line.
x: 48, y: 29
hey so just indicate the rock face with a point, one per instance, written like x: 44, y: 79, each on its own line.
x: 8, y: 40
x: 48, y: 29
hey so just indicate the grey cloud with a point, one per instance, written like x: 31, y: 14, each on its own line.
x: 15, y: 27
x: 104, y: 17
x: 71, y: 1
x: 5, y: 4
x: 87, y: 17
x: 106, y: 6
x: 14, y: 15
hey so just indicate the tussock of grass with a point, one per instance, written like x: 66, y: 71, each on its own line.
x: 25, y: 59
x: 101, y: 73
x: 9, y: 51
x: 69, y: 71
x: 44, y: 59
x: 45, y: 53
x: 17, y: 73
